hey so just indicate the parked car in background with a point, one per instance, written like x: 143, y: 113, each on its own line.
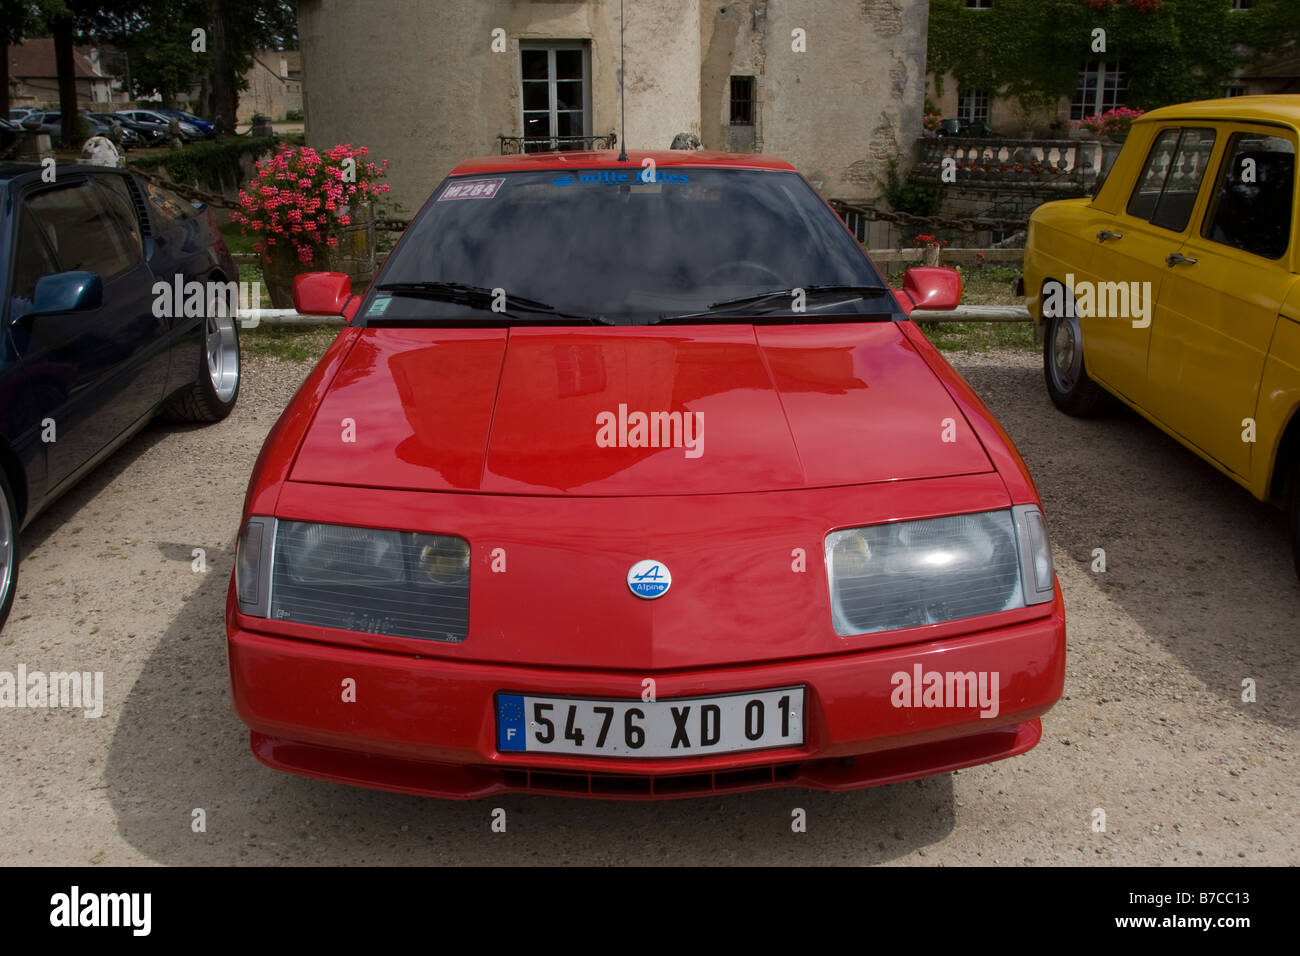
x: 656, y: 491
x: 1175, y: 290
x: 151, y: 133
x: 19, y: 113
x: 86, y: 359
x: 205, y: 127
x: 161, y: 121
x: 51, y: 122
x: 132, y: 137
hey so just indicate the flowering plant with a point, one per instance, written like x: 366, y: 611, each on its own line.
x: 932, y: 122
x: 926, y: 240
x: 1116, y: 122
x: 303, y: 199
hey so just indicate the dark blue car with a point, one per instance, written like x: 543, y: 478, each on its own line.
x: 206, y: 127
x: 91, y: 350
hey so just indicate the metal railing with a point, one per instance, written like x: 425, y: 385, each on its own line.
x: 513, y: 145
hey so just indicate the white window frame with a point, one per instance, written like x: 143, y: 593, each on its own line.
x: 974, y: 106
x: 551, y: 47
x: 1104, y: 70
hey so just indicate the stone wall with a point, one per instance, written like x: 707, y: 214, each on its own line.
x: 418, y: 82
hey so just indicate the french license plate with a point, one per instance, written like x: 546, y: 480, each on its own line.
x: 678, y: 727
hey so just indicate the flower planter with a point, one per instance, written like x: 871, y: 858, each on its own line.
x: 354, y: 256
x: 312, y: 212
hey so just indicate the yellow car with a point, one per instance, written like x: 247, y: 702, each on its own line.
x: 1176, y: 288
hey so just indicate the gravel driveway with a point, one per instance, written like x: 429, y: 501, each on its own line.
x: 1198, y: 594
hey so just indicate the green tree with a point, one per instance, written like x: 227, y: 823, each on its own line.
x: 158, y: 39
x: 17, y: 18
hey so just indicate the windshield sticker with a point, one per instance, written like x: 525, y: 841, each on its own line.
x: 474, y: 189
x: 619, y: 177
x: 380, y: 305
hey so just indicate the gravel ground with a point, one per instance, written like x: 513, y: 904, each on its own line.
x: 1198, y: 594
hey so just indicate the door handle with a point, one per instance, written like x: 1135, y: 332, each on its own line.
x: 1106, y: 234
x: 1177, y: 258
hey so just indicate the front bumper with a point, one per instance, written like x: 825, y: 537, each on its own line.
x: 427, y: 726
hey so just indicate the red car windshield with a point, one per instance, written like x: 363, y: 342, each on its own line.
x: 603, y: 246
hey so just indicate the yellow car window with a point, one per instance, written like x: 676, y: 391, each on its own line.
x: 1166, y: 192
x: 1252, y: 203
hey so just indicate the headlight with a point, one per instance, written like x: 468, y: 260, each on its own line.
x: 361, y: 579
x: 912, y: 573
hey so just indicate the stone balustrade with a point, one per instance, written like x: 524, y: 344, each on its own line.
x: 1065, y: 164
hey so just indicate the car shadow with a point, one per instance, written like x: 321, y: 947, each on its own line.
x: 178, y: 747
x: 99, y: 478
x: 1190, y: 556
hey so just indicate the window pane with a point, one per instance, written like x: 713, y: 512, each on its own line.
x: 1174, y: 208
x: 32, y: 261
x: 1251, y: 209
x: 536, y: 95
x: 1085, y: 91
x: 537, y: 124
x: 568, y: 95
x: 568, y: 64
x: 1115, y: 87
x: 534, y: 63
x: 568, y: 123
x: 1143, y: 201
x: 82, y: 231
x: 121, y: 207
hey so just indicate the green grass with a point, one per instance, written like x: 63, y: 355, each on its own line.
x: 993, y: 285
x: 980, y: 336
x: 295, y: 343
x: 235, y: 242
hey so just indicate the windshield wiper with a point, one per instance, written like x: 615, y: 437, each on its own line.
x: 482, y: 299
x: 767, y: 299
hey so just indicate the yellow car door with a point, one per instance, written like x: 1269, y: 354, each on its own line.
x: 1128, y: 264
x: 1219, y: 303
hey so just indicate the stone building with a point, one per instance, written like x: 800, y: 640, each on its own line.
x: 274, y: 85
x: 34, y: 76
x: 834, y: 86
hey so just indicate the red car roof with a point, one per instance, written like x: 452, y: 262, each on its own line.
x: 605, y: 158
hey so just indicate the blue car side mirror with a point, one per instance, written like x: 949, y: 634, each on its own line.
x: 73, y: 291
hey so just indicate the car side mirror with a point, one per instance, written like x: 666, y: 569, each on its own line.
x: 75, y: 291
x: 932, y: 288
x: 321, y: 293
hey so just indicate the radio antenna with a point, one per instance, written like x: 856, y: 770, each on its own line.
x: 622, y: 82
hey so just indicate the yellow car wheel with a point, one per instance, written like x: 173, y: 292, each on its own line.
x: 1068, y: 384
x: 1293, y: 513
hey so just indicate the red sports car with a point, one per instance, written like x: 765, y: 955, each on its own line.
x: 632, y: 479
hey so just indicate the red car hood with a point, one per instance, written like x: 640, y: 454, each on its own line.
x: 645, y: 411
